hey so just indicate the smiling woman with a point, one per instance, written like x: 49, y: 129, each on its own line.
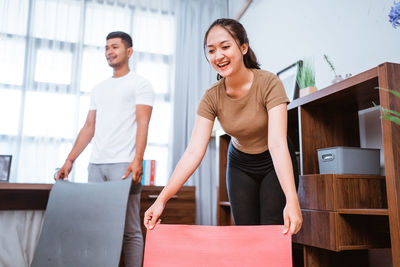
x: 250, y: 104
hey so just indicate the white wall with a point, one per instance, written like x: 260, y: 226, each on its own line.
x: 235, y: 6
x: 356, y: 35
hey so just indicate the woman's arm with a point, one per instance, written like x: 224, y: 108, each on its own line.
x: 188, y: 163
x: 278, y: 147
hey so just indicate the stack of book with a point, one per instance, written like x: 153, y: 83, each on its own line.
x: 149, y: 172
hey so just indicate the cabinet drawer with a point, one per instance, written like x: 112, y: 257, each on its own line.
x: 180, y: 209
x: 150, y: 193
x: 337, y: 232
x: 332, y: 192
x: 175, y: 212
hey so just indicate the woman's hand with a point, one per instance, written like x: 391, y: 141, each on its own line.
x: 292, y: 217
x: 152, y: 214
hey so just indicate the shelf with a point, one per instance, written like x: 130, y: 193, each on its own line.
x: 348, y: 192
x: 357, y: 90
x: 379, y: 212
x: 337, y: 232
x: 358, y: 176
x: 23, y: 186
x: 19, y: 196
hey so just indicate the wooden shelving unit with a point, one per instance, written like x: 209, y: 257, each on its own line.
x: 344, y: 215
x: 224, y: 216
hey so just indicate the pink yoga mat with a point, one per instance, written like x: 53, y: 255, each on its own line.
x: 208, y: 246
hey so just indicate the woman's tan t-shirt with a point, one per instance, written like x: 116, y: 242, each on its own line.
x: 245, y: 119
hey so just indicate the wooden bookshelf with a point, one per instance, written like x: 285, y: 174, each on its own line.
x: 344, y: 215
x: 224, y: 216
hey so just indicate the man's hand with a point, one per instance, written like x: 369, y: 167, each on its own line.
x: 136, y: 168
x: 64, y: 170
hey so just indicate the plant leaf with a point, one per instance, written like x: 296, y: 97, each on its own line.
x: 330, y: 64
x: 386, y: 111
x: 392, y: 118
x: 390, y: 91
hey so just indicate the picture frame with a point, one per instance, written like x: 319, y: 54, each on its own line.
x: 288, y: 77
x: 5, y: 167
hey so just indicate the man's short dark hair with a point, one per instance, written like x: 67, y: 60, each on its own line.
x: 126, y: 38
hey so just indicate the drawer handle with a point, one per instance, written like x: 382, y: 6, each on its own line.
x: 155, y: 196
x: 328, y: 157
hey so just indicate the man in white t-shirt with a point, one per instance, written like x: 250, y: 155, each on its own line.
x: 117, y: 124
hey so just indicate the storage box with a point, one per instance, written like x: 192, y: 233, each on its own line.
x: 349, y: 160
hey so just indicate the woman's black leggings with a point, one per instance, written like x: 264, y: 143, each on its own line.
x: 254, y: 190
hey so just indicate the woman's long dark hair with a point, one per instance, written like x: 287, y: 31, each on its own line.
x: 237, y: 31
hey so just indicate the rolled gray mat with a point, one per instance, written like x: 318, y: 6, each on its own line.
x: 83, y: 225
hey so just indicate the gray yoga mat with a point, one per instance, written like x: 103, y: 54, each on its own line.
x: 83, y: 225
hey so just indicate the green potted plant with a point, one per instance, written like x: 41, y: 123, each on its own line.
x: 306, y: 77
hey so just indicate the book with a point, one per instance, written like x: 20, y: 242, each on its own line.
x: 149, y: 172
x: 152, y: 172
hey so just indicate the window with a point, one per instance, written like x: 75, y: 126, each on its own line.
x: 10, y: 104
x: 12, y: 62
x: 53, y: 66
x: 52, y: 56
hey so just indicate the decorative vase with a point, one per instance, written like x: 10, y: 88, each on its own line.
x: 307, y: 90
x: 337, y: 78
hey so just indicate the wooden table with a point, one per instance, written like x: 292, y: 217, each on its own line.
x: 18, y: 200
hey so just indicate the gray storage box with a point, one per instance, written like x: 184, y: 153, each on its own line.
x: 349, y: 160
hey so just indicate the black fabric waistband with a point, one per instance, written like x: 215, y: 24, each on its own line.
x: 251, y: 163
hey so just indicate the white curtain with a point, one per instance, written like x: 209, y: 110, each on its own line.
x: 53, y: 54
x: 193, y: 75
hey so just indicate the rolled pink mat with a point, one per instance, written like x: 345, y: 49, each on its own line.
x: 197, y: 245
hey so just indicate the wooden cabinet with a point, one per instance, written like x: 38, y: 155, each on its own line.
x: 343, y: 214
x: 331, y: 205
x: 224, y: 216
x: 180, y: 209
